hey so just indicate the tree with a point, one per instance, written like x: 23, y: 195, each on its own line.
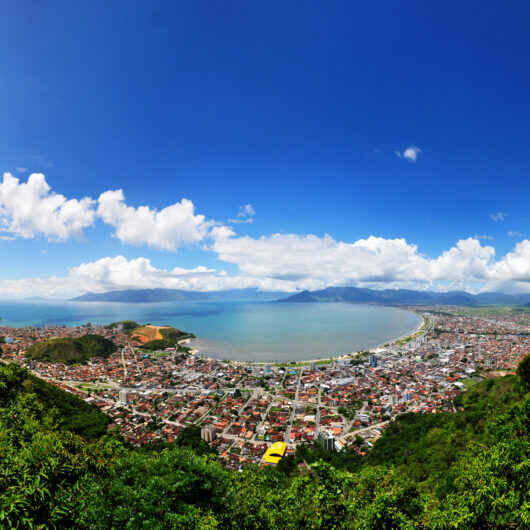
x: 523, y: 371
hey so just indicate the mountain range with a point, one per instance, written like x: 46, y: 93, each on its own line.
x: 330, y: 294
x: 177, y: 295
x: 406, y: 297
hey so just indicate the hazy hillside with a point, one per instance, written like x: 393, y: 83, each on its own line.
x: 177, y: 295
x: 406, y: 297
x: 142, y: 296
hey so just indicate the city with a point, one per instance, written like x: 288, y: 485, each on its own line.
x: 243, y: 408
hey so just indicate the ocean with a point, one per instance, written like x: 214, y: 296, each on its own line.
x: 250, y: 331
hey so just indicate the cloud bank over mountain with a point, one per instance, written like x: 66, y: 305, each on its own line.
x: 279, y: 262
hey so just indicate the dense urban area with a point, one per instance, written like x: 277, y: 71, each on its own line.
x: 243, y: 408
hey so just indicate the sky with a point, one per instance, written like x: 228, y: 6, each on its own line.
x: 278, y: 145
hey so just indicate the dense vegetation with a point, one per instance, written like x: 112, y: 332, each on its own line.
x: 127, y: 326
x: 464, y: 470
x: 70, y: 350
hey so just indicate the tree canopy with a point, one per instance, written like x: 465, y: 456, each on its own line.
x: 463, y: 470
x: 71, y: 350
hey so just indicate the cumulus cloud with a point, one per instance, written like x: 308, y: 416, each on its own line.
x: 113, y: 273
x: 514, y: 267
x: 245, y: 215
x: 312, y: 262
x: 289, y: 262
x: 410, y: 153
x: 499, y: 216
x: 31, y: 208
x: 165, y: 229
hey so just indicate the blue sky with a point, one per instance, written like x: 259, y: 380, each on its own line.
x: 303, y: 111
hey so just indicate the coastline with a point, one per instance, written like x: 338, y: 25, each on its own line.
x: 411, y: 335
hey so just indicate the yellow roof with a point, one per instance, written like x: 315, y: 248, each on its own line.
x: 275, y: 453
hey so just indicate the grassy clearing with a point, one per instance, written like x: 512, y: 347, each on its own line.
x: 491, y: 310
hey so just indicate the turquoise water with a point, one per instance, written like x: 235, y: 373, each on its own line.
x: 253, y: 331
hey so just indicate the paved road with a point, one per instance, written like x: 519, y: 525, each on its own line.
x: 287, y: 437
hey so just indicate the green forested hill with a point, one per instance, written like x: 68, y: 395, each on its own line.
x: 70, y: 350
x: 466, y: 470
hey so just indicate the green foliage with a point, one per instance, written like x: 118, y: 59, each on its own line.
x: 438, y: 471
x: 127, y: 326
x: 70, y: 350
x: 523, y: 371
x: 174, y: 488
x: 70, y: 413
x: 351, y: 409
x: 425, y: 445
x: 171, y: 338
x: 191, y: 437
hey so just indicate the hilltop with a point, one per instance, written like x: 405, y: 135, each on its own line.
x: 159, y: 337
x: 463, y: 470
x: 70, y: 350
x: 405, y: 297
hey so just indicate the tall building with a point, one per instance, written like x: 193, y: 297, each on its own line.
x: 208, y: 433
x: 326, y: 440
x: 123, y: 396
x: 373, y: 361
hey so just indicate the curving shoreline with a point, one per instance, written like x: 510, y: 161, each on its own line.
x: 413, y: 334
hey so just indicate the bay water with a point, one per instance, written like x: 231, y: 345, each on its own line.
x: 250, y: 331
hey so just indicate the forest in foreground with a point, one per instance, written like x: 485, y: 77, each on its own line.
x: 61, y: 468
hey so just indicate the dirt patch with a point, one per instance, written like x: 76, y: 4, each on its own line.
x: 148, y: 333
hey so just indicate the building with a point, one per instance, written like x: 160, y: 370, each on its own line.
x: 124, y: 397
x: 326, y: 440
x: 373, y: 361
x: 268, y: 369
x: 208, y: 433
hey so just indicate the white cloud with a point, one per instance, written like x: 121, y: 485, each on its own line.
x: 290, y: 262
x: 21, y: 169
x: 313, y: 262
x: 499, y: 216
x: 515, y: 266
x: 114, y: 273
x: 514, y: 233
x: 245, y: 215
x: 165, y: 229
x: 485, y: 237
x: 30, y: 208
x: 410, y: 153
x: 276, y: 262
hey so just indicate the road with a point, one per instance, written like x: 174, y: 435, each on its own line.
x: 287, y: 437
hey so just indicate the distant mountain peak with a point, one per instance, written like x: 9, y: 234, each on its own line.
x: 176, y: 295
x: 405, y: 297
